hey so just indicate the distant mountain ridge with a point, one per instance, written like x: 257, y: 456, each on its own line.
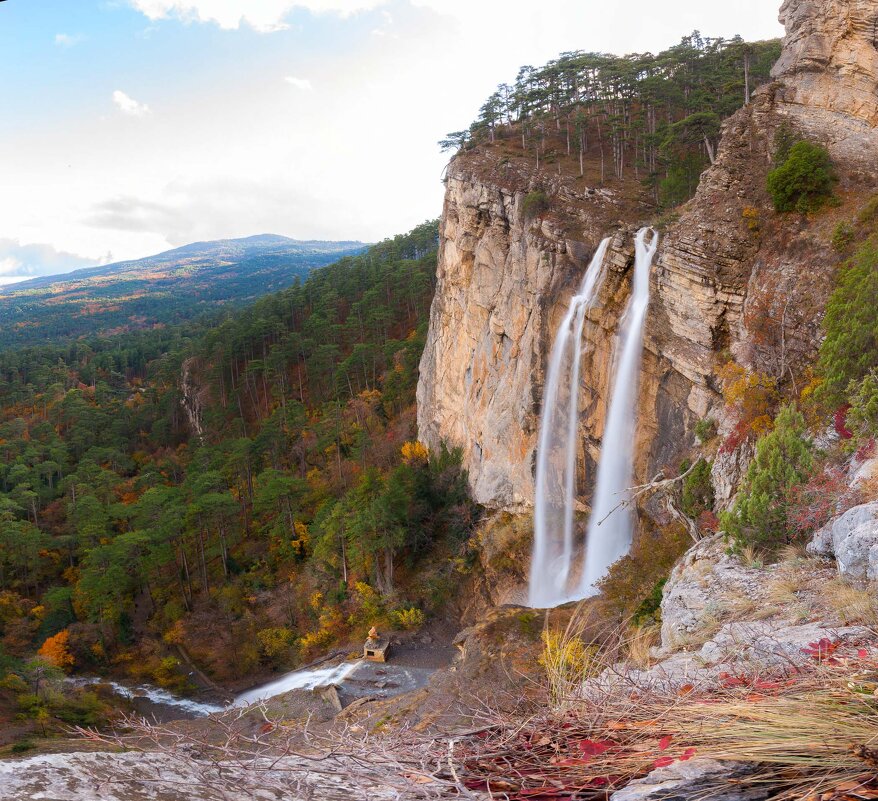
x: 165, y: 289
x: 229, y: 248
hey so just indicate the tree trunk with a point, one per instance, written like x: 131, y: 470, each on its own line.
x: 710, y: 152
x: 746, y: 79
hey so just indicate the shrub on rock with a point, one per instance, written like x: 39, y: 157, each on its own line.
x: 804, y: 180
x: 783, y: 461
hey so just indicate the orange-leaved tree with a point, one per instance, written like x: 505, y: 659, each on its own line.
x: 57, y: 651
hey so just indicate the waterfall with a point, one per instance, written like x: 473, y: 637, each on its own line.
x: 610, y: 526
x: 555, y: 487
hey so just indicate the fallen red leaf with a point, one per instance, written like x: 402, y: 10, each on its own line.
x: 822, y: 649
x: 665, y: 742
x: 595, y: 747
x: 663, y: 762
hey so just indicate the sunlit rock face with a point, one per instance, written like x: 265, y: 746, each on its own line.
x: 830, y: 56
x: 503, y: 285
x: 732, y: 279
x: 829, y: 71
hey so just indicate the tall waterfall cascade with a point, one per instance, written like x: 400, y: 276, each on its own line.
x: 554, y: 565
x: 555, y: 489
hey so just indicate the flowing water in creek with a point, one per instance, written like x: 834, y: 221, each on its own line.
x: 353, y: 680
x: 554, y: 563
x: 154, y: 701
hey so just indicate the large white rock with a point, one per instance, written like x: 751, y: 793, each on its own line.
x: 172, y: 776
x: 853, y: 540
x: 706, y: 580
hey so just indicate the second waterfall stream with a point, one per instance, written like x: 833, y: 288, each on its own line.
x: 555, y: 565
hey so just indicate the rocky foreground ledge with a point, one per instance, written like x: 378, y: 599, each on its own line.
x: 172, y: 777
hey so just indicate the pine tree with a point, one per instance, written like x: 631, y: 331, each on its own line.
x: 783, y: 460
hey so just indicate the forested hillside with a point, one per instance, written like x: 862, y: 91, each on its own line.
x: 279, y: 505
x: 165, y: 289
x: 653, y: 118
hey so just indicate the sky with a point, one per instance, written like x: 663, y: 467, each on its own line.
x: 132, y: 126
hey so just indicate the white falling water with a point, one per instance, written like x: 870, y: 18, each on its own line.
x: 556, y: 450
x: 610, y: 526
x: 298, y: 680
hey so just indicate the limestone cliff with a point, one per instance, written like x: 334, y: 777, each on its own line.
x: 731, y: 276
x: 503, y: 283
x: 829, y: 70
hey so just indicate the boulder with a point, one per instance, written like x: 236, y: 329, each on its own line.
x: 705, y: 581
x: 695, y: 778
x: 853, y: 540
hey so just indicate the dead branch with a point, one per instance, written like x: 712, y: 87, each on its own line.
x: 658, y: 483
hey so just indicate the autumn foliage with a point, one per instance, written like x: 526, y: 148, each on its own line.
x: 55, y: 650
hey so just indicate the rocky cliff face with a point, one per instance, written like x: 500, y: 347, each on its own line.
x: 725, y: 282
x: 829, y: 70
x: 504, y: 282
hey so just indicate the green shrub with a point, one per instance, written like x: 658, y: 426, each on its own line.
x: 84, y: 709
x: 276, y: 642
x: 650, y: 607
x: 411, y: 618
x: 784, y: 139
x: 842, y: 237
x: 698, y: 495
x: 632, y: 580
x: 850, y: 350
x: 804, y: 181
x: 783, y: 460
x: 868, y: 217
x: 705, y: 429
x: 535, y: 204
x: 22, y: 746
x: 863, y: 415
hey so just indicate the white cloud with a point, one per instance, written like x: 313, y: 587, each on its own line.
x: 262, y: 15
x: 19, y: 262
x: 300, y: 83
x: 385, y: 26
x: 130, y: 106
x: 9, y: 265
x: 67, y: 40
x: 237, y: 150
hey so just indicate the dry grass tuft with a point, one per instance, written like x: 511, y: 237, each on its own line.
x: 794, y: 555
x: 639, y: 644
x: 567, y: 660
x: 852, y: 604
x: 821, y: 734
x: 784, y: 591
x: 752, y: 557
x: 813, y: 730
